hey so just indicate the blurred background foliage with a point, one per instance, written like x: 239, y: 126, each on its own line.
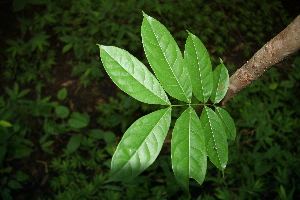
x: 61, y: 117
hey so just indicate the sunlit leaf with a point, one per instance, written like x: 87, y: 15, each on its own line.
x: 166, y: 60
x: 188, y: 149
x: 228, y: 122
x: 132, y: 76
x: 221, y: 83
x: 199, y: 66
x: 140, y: 145
x: 215, y: 137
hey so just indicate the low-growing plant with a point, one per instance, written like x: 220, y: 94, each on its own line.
x: 82, y: 171
x: 48, y: 28
x: 22, y: 117
x: 193, y: 139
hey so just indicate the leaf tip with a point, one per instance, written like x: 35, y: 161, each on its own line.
x: 221, y: 61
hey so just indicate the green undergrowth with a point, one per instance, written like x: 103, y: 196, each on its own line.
x: 265, y: 156
x: 65, y: 32
x: 39, y: 130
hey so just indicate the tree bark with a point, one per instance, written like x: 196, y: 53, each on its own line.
x: 285, y: 43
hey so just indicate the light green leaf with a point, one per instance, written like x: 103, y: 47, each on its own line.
x: 166, y: 60
x: 5, y: 123
x: 215, y: 137
x: 228, y: 122
x: 221, y: 83
x: 140, y: 145
x: 199, y: 66
x: 132, y: 76
x: 188, y: 149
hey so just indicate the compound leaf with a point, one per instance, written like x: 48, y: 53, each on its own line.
x: 140, y: 145
x: 132, y: 76
x: 215, y: 137
x: 228, y: 122
x: 221, y: 83
x: 199, y: 66
x: 188, y: 150
x: 165, y: 59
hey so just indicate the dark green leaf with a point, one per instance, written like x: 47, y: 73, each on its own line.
x: 14, y: 184
x: 215, y: 137
x: 62, y: 111
x: 21, y: 176
x: 18, y: 5
x: 21, y: 151
x: 23, y: 93
x: 188, y: 149
x: 48, y: 143
x: 109, y: 137
x: 67, y: 47
x: 62, y: 94
x: 2, y: 152
x: 140, y: 145
x: 132, y: 76
x: 79, y: 120
x: 74, y: 143
x: 166, y: 60
x: 50, y: 127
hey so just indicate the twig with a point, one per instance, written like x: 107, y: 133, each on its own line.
x: 285, y: 43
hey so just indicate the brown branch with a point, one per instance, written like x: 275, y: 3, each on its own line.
x: 285, y: 43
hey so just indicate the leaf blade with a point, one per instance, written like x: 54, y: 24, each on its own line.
x: 228, y: 122
x: 133, y: 155
x: 199, y: 67
x: 132, y: 76
x: 215, y: 138
x: 165, y: 59
x: 188, y: 150
x: 221, y: 83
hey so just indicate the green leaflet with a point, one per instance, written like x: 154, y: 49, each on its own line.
x: 215, y: 137
x: 188, y: 149
x: 132, y: 76
x: 199, y: 66
x: 228, y: 122
x: 140, y: 145
x: 221, y: 83
x: 166, y: 60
